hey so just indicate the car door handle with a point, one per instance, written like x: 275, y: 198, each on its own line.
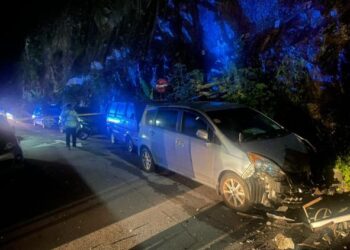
x: 179, y: 143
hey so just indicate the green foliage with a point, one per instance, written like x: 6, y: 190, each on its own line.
x: 249, y: 86
x: 343, y: 165
x: 293, y: 79
x: 74, y: 94
x: 185, y: 84
x: 147, y: 89
x: 245, y: 85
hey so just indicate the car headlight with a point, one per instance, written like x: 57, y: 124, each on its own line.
x: 265, y: 165
x: 10, y: 116
x: 9, y: 146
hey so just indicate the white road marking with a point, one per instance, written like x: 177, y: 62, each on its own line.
x: 43, y: 145
x: 60, y: 141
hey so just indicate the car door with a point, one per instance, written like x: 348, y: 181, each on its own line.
x: 163, y: 137
x: 197, y: 154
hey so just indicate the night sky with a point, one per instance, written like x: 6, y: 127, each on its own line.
x: 17, y: 20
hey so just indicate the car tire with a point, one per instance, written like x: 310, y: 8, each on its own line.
x: 83, y: 135
x: 129, y: 145
x: 147, y: 160
x: 235, y: 192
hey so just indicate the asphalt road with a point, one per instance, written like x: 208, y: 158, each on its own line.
x: 96, y: 197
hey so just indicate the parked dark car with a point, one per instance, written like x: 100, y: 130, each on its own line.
x: 9, y: 144
x: 46, y: 116
x: 123, y: 120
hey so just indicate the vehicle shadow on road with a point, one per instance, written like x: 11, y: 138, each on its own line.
x: 45, y: 196
x: 38, y: 196
x: 216, y: 227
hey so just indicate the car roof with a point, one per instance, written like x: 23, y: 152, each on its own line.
x: 201, y: 106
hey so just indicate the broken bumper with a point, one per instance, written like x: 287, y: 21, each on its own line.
x: 268, y: 190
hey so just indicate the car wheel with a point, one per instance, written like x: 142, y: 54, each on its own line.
x: 147, y: 160
x: 235, y: 192
x: 129, y: 145
x: 113, y: 139
x: 83, y: 135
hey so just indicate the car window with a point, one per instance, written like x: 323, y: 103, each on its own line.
x: 112, y: 109
x: 150, y: 117
x: 130, y: 111
x: 251, y: 125
x: 167, y: 119
x: 191, y: 123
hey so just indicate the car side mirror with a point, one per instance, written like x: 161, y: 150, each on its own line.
x: 202, y: 134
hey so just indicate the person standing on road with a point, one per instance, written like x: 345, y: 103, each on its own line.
x: 70, y: 122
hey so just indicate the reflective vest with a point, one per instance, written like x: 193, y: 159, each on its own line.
x: 70, y: 119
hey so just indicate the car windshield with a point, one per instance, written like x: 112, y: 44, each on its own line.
x: 245, y: 124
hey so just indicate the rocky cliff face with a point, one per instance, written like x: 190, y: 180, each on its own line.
x: 118, y: 44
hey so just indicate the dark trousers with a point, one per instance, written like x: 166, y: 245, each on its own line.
x: 71, y: 132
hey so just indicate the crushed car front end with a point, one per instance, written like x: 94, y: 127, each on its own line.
x: 274, y: 179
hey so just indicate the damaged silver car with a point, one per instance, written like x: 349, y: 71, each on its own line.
x: 246, y: 156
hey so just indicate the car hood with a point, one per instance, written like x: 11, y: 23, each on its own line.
x: 287, y: 151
